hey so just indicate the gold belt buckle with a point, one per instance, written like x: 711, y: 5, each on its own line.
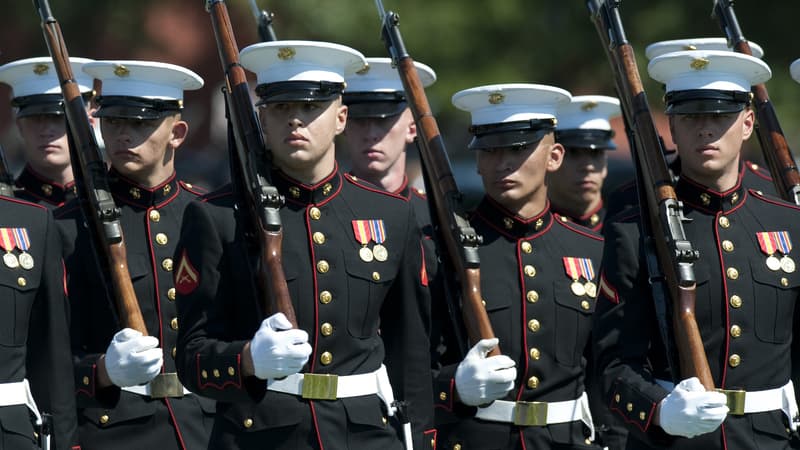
x: 735, y: 401
x: 320, y: 386
x: 166, y: 385
x: 530, y: 414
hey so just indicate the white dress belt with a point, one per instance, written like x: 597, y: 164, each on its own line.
x: 781, y: 398
x: 162, y: 386
x: 519, y: 413
x: 19, y: 393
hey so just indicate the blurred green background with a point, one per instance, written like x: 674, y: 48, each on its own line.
x: 467, y: 42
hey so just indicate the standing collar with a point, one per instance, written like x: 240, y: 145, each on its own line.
x: 41, y: 187
x: 591, y: 219
x: 509, y: 223
x: 298, y: 192
x: 133, y: 193
x: 706, y: 198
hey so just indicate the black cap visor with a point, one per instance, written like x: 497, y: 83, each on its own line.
x: 374, y: 105
x: 298, y: 91
x: 37, y: 105
x: 138, y: 108
x: 706, y: 101
x: 510, y: 134
x: 586, y: 138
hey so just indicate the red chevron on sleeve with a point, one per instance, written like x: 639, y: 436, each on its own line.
x: 186, y: 278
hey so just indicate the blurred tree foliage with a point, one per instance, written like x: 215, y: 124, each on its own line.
x: 467, y: 42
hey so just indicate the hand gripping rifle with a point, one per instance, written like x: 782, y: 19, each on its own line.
x: 773, y: 142
x: 660, y: 205
x: 459, y: 238
x: 250, y: 168
x: 264, y: 22
x: 97, y: 204
x: 6, y: 179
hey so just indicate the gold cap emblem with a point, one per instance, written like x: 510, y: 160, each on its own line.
x: 496, y: 98
x: 689, y: 47
x: 121, y: 71
x: 699, y: 63
x: 285, y: 53
x: 588, y: 106
x: 41, y: 69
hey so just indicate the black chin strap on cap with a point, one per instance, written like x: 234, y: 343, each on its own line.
x: 298, y: 91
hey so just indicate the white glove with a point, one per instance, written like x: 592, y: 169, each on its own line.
x: 689, y: 410
x: 278, y: 349
x: 481, y: 380
x: 133, y: 359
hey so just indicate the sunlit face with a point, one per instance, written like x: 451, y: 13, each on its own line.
x: 143, y: 150
x: 579, y: 181
x: 377, y: 145
x: 516, y: 177
x: 300, y: 136
x: 709, y: 144
x: 46, y: 147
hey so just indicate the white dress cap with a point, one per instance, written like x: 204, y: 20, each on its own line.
x: 588, y: 112
x: 499, y: 103
x: 381, y: 76
x: 708, y: 69
x: 35, y: 76
x: 678, y: 45
x: 794, y: 70
x: 278, y: 61
x: 143, y: 79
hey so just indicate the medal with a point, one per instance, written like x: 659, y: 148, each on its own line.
x: 378, y: 233
x: 10, y: 260
x: 787, y: 264
x: 24, y: 243
x: 365, y: 254
x: 380, y: 252
x: 773, y: 263
x: 8, y: 242
x: 578, y: 289
x: 591, y: 289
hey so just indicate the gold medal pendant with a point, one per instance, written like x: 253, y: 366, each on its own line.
x: 10, y: 260
x: 787, y: 264
x: 380, y: 252
x: 365, y: 254
x: 591, y: 289
x: 577, y: 288
x: 773, y: 263
x: 26, y: 261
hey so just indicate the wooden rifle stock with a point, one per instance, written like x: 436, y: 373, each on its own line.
x: 97, y: 203
x: 460, y: 240
x: 664, y: 215
x: 776, y: 150
x: 262, y: 201
x: 6, y: 179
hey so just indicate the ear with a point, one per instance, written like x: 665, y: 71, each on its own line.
x: 180, y: 129
x: 341, y: 118
x: 555, y: 157
x: 748, y: 123
x: 411, y: 131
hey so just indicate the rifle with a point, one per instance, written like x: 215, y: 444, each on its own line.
x: 452, y: 227
x: 6, y: 179
x: 770, y: 135
x: 264, y: 22
x: 249, y: 163
x: 664, y: 212
x: 97, y: 204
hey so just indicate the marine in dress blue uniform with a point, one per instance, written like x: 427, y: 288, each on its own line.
x: 352, y: 259
x: 140, y: 118
x: 538, y: 283
x: 39, y: 106
x: 747, y: 284
x: 34, y: 334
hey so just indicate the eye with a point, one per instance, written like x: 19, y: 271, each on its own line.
x: 310, y: 106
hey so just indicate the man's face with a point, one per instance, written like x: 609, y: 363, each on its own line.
x: 143, y: 149
x: 46, y: 146
x: 375, y: 145
x: 516, y: 177
x: 300, y: 134
x: 579, y: 181
x: 709, y: 144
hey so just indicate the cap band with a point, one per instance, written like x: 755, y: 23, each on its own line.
x: 298, y: 91
x: 586, y: 138
x: 135, y: 107
x: 510, y: 134
x: 706, y: 101
x: 378, y: 105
